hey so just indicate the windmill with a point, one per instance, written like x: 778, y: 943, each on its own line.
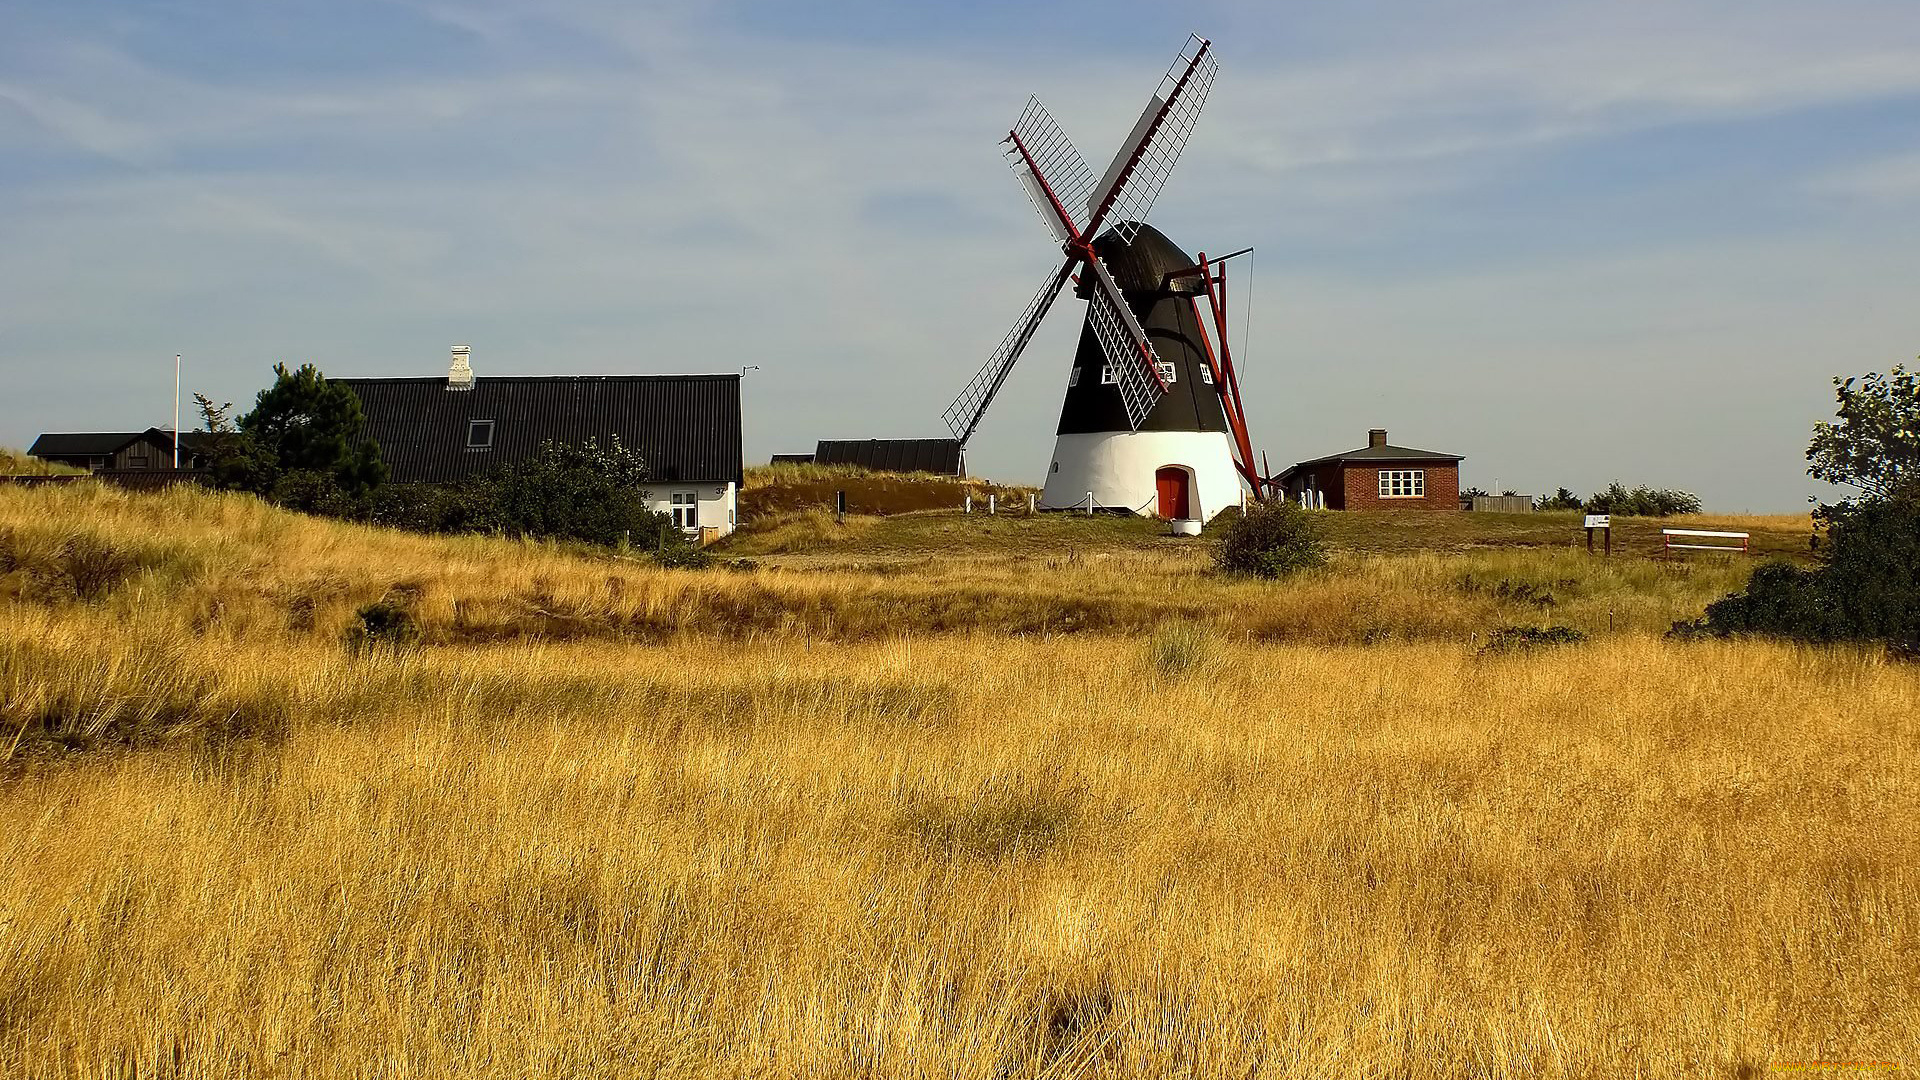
x: 1152, y: 421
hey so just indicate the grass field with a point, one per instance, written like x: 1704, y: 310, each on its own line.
x: 1065, y: 804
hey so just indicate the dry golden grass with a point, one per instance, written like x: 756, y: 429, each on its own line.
x: 667, y: 847
x: 979, y: 857
x: 17, y: 463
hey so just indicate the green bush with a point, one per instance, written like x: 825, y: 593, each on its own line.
x: 1641, y: 501
x: 1564, y: 499
x: 1518, y: 638
x: 1273, y: 540
x: 387, y: 622
x: 1867, y: 587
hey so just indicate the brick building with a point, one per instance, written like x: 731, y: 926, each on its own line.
x: 1378, y: 476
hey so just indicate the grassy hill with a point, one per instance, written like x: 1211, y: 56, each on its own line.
x: 1047, y: 799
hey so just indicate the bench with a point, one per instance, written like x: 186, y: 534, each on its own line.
x: 1689, y: 536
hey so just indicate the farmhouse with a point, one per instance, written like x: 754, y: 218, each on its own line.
x: 687, y: 427
x: 1378, y: 476
x: 118, y: 451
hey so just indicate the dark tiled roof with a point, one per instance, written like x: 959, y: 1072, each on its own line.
x: 59, y: 444
x: 71, y: 444
x: 687, y: 427
x: 1382, y: 453
x: 892, y: 455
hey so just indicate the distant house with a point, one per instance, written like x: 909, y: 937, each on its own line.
x: 1378, y: 476
x: 119, y: 451
x: 687, y: 428
x: 893, y: 455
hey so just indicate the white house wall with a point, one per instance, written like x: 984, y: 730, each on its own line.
x: 717, y: 506
x: 1118, y: 468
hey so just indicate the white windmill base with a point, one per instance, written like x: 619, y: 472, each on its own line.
x: 1119, y: 467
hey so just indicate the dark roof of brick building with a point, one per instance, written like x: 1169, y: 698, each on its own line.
x: 686, y: 427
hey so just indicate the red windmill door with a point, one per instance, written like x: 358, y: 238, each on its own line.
x: 1172, y: 484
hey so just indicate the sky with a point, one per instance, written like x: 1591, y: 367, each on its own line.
x: 1572, y: 242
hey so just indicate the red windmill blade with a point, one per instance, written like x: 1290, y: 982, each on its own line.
x: 1057, y: 178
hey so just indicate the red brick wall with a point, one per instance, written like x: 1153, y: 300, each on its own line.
x: 1361, y: 487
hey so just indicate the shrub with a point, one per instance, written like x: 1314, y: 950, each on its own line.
x: 1517, y: 638
x: 1273, y: 540
x: 584, y: 492
x: 1866, y: 589
x: 1564, y: 499
x: 1642, y: 501
x: 1178, y: 649
x: 385, y: 622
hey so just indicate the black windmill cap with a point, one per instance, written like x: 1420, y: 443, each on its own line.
x: 1141, y: 267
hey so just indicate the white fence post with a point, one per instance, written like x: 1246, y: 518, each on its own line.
x: 1031, y: 500
x: 993, y: 502
x: 1089, y: 504
x: 967, y: 507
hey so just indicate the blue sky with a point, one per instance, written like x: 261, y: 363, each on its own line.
x: 1572, y: 242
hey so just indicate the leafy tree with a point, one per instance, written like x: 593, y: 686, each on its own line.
x: 231, y: 458
x: 584, y: 492
x: 309, y: 425
x: 1874, y: 445
x: 1273, y: 540
x: 1564, y: 499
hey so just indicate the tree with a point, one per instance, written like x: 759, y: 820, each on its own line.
x: 309, y: 425
x: 588, y: 492
x: 229, y: 457
x: 1875, y: 444
x: 1564, y: 499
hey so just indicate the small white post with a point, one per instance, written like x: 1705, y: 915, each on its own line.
x: 1089, y: 504
x: 967, y: 507
x: 1243, y: 504
x: 1031, y: 499
x: 993, y: 502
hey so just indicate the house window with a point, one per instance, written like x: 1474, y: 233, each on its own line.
x: 479, y: 434
x: 686, y: 510
x: 1073, y: 378
x: 1403, y: 483
x: 1106, y: 375
x: 137, y: 461
x: 1166, y: 371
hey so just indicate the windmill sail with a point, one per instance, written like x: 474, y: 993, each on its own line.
x: 1135, y: 364
x: 1146, y: 159
x: 1056, y: 168
x: 964, y: 414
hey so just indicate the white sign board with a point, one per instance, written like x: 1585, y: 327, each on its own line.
x: 1599, y: 521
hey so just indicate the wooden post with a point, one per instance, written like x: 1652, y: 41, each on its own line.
x: 840, y: 507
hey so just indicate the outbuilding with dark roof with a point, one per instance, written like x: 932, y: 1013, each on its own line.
x: 1377, y: 476
x: 119, y: 451
x: 686, y: 428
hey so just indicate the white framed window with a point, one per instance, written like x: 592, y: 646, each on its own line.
x: 1106, y: 375
x: 479, y: 434
x: 1166, y: 371
x: 1073, y: 378
x: 1206, y: 374
x: 1403, y: 483
x: 686, y: 510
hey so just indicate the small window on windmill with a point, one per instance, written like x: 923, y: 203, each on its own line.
x: 1166, y: 371
x: 479, y: 434
x: 1106, y: 375
x: 1073, y: 378
x: 1206, y: 374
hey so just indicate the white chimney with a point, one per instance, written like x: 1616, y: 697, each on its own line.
x: 460, y: 375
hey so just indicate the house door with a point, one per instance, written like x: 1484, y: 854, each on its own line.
x: 1172, y: 484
